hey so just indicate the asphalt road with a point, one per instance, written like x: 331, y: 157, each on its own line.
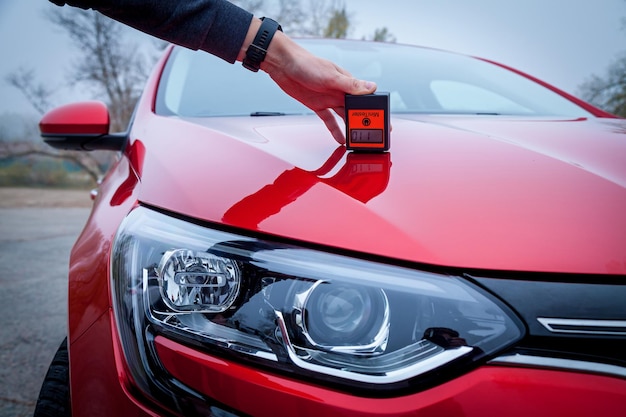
x: 35, y: 244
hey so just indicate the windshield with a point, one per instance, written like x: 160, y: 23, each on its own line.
x: 419, y: 80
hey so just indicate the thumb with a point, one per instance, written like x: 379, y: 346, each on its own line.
x: 359, y: 87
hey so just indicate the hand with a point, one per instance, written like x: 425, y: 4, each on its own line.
x: 315, y: 82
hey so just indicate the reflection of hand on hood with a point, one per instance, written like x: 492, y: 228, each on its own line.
x: 362, y: 177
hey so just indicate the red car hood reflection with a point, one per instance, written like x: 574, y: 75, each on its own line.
x: 470, y: 192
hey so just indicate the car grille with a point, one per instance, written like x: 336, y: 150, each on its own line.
x: 574, y: 322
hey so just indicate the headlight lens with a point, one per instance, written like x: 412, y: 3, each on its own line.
x: 198, y: 282
x: 299, y: 310
x: 344, y: 317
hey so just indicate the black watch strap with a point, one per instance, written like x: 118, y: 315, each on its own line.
x: 258, y: 48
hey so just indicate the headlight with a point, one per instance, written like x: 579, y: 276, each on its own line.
x: 292, y: 309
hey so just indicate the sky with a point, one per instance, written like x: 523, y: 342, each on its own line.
x: 562, y: 42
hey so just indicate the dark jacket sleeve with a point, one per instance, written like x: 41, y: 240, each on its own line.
x: 216, y: 26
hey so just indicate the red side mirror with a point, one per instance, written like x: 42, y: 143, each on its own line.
x: 86, y: 118
x: 80, y: 126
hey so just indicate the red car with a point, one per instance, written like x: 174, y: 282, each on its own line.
x: 238, y: 262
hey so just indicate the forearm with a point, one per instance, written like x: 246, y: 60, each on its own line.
x: 215, y: 26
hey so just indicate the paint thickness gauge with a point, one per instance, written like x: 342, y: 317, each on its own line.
x: 367, y: 122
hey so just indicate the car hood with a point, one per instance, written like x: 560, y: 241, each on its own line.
x: 489, y: 193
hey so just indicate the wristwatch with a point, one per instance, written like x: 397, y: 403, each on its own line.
x: 258, y: 48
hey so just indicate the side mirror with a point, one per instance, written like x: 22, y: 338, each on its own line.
x: 80, y: 126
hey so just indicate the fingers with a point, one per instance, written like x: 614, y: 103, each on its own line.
x: 362, y: 87
x: 347, y: 85
x: 317, y: 83
x: 350, y: 85
x: 332, y: 125
x: 341, y: 112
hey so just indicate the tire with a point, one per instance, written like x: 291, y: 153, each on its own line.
x: 54, y: 397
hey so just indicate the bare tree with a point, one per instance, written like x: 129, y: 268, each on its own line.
x: 39, y: 97
x: 86, y: 161
x: 291, y: 15
x: 297, y: 17
x: 327, y: 18
x: 21, y: 143
x: 108, y: 62
x: 338, y: 24
x: 37, y: 93
x: 608, y: 92
x: 383, y: 35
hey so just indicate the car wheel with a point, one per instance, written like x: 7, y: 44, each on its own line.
x: 54, y: 397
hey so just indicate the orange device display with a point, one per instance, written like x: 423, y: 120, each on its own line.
x: 367, y: 122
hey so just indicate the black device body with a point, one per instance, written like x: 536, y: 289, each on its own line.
x: 367, y: 122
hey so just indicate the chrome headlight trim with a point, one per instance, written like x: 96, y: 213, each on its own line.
x: 434, y: 358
